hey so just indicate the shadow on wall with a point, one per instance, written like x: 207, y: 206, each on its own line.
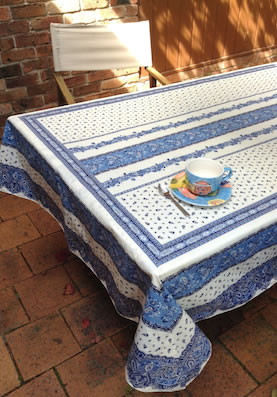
x: 188, y: 33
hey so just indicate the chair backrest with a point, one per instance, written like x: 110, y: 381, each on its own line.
x: 100, y: 47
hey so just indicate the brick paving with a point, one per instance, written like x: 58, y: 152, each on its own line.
x: 60, y: 335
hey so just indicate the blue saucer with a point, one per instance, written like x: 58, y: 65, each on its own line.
x: 179, y: 188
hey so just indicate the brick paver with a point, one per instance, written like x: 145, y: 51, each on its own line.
x: 17, y: 231
x: 46, y: 385
x: 123, y: 340
x: 265, y: 390
x: 12, y: 206
x: 13, y: 268
x: 41, y: 345
x: 270, y: 314
x: 254, y: 343
x: 222, y: 376
x: 12, y: 314
x: 87, y: 322
x: 43, y: 253
x: 272, y: 292
x: 85, y: 280
x: 44, y: 222
x: 96, y: 372
x: 51, y: 290
x: 62, y: 337
x: 8, y: 376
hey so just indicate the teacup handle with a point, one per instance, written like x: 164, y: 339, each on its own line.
x: 227, y: 175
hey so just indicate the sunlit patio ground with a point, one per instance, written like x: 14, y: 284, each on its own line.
x: 61, y: 336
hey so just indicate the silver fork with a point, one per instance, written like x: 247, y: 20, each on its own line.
x: 165, y: 192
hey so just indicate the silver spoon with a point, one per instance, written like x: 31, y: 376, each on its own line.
x: 165, y: 192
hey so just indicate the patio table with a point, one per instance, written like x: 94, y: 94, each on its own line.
x: 95, y: 167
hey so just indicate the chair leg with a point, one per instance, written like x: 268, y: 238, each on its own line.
x: 152, y: 81
x: 64, y: 89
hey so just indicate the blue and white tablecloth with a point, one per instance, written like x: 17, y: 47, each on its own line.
x: 95, y: 167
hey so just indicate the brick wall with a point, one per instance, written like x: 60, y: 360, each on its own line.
x: 26, y: 64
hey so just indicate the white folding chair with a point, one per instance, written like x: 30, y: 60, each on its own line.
x: 88, y: 47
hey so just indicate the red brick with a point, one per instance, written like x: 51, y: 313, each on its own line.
x: 255, y: 305
x: 266, y: 389
x: 35, y: 10
x: 270, y: 314
x: 12, y: 95
x: 19, y: 27
x: 10, y: 70
x: 61, y: 7
x: 272, y: 292
x: 123, y: 340
x: 215, y: 326
x: 3, y: 120
x: 87, y: 16
x: 223, y: 376
x: 44, y: 23
x: 12, y: 312
x: 45, y: 253
x: 44, y: 50
x: 75, y: 81
x: 87, y: 322
x: 113, y: 83
x: 8, y: 375
x: 105, y: 94
x: 5, y: 109
x: 108, y: 74
x: 12, y: 206
x: 111, y: 13
x: 17, y: 55
x: 124, y: 72
x: 46, y: 74
x: 2, y: 84
x: 39, y: 346
x: 6, y: 44
x: 40, y: 63
x: 135, y: 393
x: 4, y: 29
x: 98, y: 371
x: 4, y: 14
x: 129, y: 19
x: 131, y: 10
x: 12, y: 268
x: 32, y: 39
x: 44, y: 222
x: 83, y: 277
x: 86, y: 89
x: 100, y: 75
x: 93, y: 4
x: 254, y: 343
x: 52, y: 97
x: 121, y: 2
x: 42, y: 88
x: 46, y: 385
x: 48, y: 292
x: 17, y: 231
x: 22, y: 81
x: 11, y: 2
x: 24, y: 104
